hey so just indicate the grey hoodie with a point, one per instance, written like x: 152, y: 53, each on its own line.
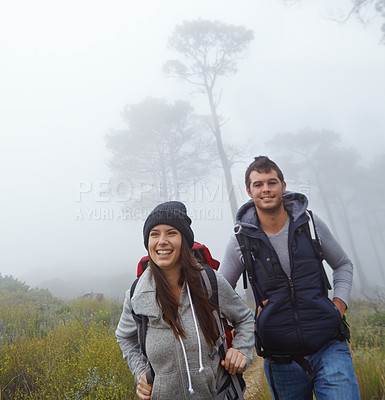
x: 165, y: 352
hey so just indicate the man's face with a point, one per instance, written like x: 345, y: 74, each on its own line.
x: 266, y: 190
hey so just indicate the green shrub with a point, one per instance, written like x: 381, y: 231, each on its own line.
x: 376, y: 319
x: 51, y: 349
x: 368, y: 348
x: 73, y: 361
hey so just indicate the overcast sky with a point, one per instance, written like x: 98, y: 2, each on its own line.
x: 70, y: 67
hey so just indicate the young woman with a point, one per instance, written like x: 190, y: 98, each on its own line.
x: 181, y: 331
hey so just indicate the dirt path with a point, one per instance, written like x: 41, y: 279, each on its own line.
x: 253, y: 377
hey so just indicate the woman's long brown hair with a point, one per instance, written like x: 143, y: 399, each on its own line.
x: 191, y: 274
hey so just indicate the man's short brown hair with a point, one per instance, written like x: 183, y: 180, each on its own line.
x: 262, y: 164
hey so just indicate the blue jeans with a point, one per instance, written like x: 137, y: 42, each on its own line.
x: 332, y: 376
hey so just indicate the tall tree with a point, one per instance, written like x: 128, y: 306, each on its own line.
x: 374, y: 209
x: 209, y: 50
x: 297, y: 151
x: 162, y: 150
x: 332, y: 169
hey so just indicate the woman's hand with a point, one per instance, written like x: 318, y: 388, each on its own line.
x: 144, y: 390
x: 234, y: 361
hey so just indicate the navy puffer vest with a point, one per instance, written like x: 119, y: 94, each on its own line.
x: 299, y: 317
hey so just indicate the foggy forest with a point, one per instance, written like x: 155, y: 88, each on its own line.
x: 111, y: 109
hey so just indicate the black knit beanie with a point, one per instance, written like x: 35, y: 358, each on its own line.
x: 171, y: 213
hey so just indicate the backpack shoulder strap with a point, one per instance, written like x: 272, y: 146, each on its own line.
x: 210, y: 284
x: 312, y: 233
x: 141, y: 322
x: 248, y: 272
x: 133, y: 286
x: 141, y: 326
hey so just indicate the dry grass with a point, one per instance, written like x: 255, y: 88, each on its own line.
x: 256, y: 384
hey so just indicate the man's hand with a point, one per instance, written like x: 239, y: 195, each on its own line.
x: 259, y: 311
x: 144, y: 390
x: 340, y: 305
x: 234, y: 361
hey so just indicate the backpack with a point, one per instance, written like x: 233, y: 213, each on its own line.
x: 232, y: 386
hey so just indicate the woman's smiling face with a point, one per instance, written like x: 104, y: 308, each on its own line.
x: 164, y: 246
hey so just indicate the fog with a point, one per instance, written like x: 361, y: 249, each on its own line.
x: 70, y: 68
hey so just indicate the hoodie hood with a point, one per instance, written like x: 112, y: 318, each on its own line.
x: 294, y: 203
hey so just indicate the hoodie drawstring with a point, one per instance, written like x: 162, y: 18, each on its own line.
x: 201, y: 368
x: 190, y: 389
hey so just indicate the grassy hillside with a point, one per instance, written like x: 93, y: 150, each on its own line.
x: 51, y: 349
x: 60, y: 350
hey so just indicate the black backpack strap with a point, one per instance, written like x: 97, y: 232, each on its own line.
x: 343, y: 331
x: 244, y: 245
x: 210, y: 284
x: 133, y: 286
x: 312, y: 233
x: 141, y: 326
x: 249, y: 255
x: 236, y: 381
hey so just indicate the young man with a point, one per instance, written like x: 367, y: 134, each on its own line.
x: 300, y: 330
